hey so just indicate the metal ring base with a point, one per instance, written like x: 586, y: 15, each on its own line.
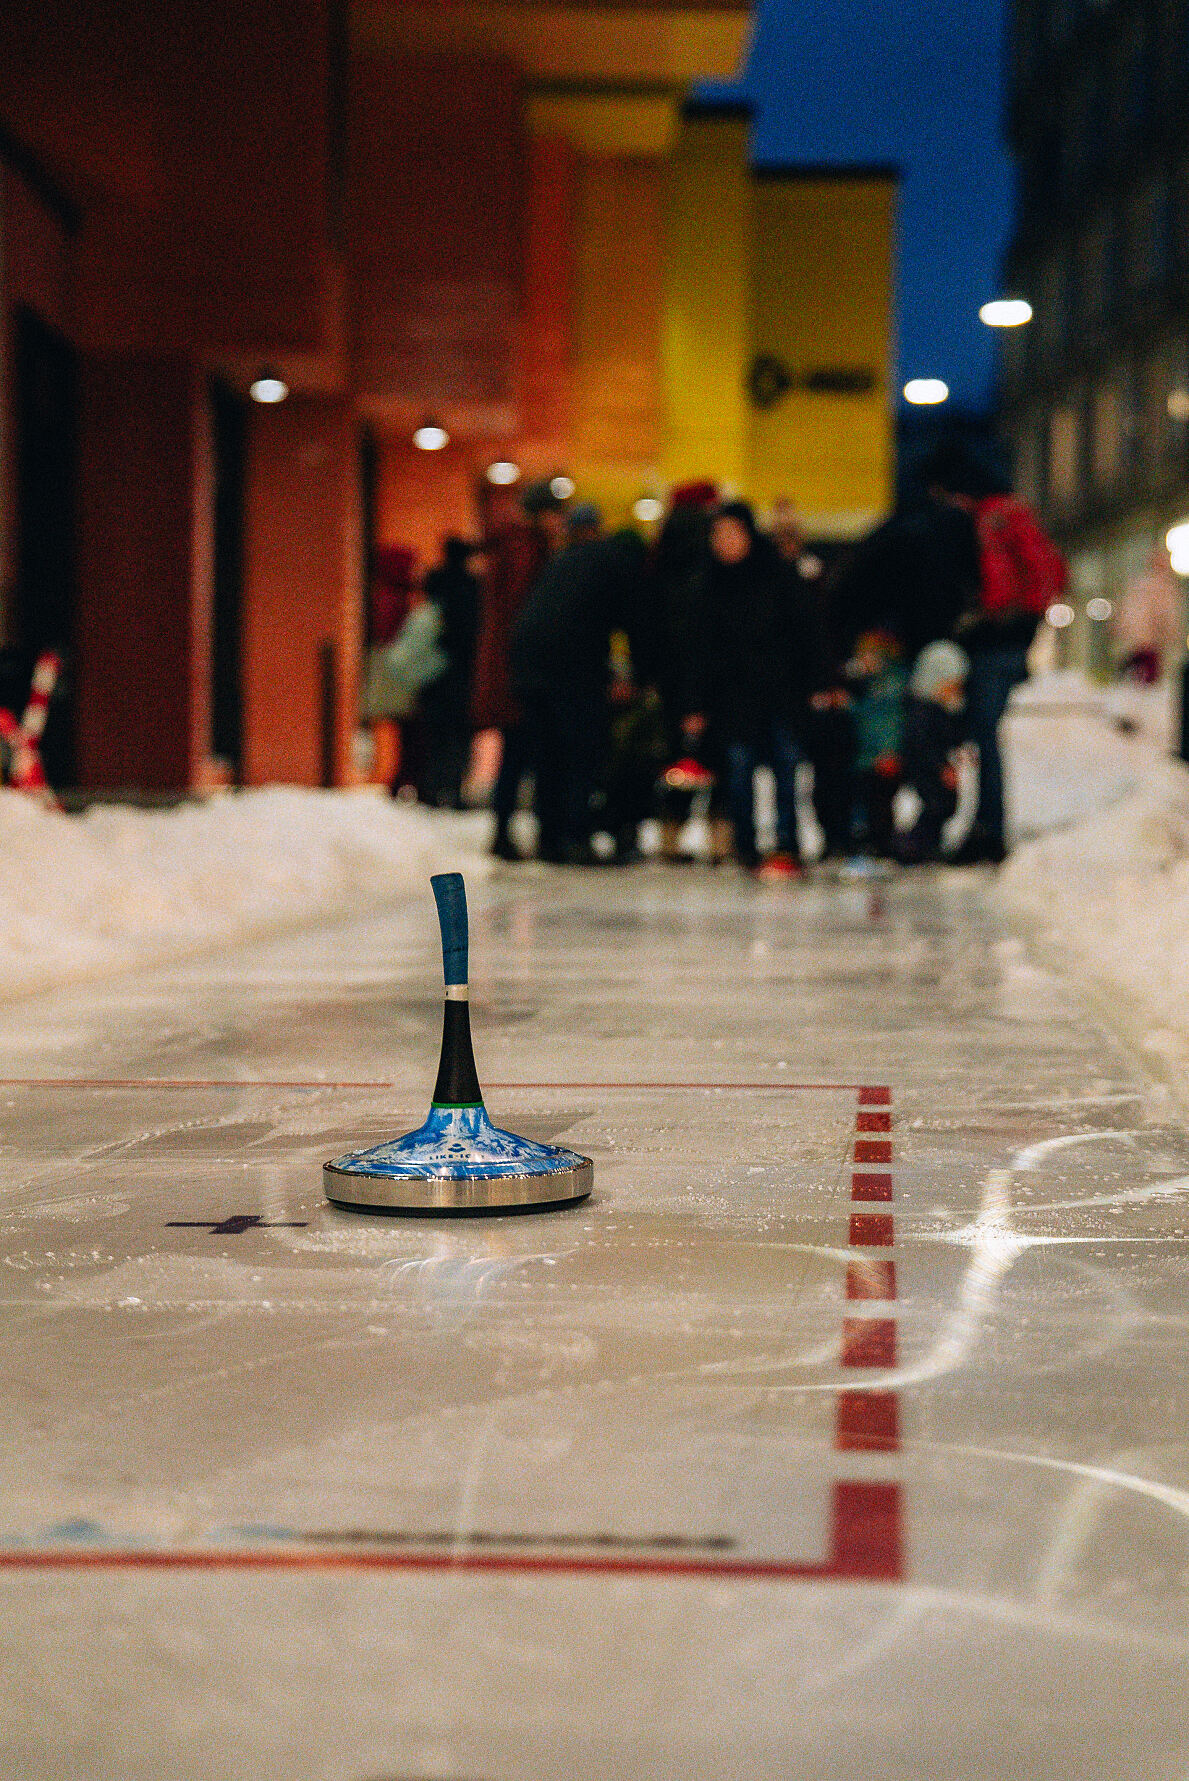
x: 435, y: 1197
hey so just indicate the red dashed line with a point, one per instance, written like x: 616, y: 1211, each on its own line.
x: 872, y: 1230
x: 869, y: 1342
x: 871, y: 1278
x: 868, y: 1421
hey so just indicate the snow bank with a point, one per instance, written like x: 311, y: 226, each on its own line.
x: 1065, y: 756
x: 81, y: 896
x: 1108, y: 892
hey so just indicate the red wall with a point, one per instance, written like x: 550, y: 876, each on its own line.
x: 546, y: 349
x: 302, y: 587
x: 434, y: 230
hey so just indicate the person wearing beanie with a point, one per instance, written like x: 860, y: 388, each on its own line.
x: 584, y: 523
x: 933, y: 727
x: 746, y: 684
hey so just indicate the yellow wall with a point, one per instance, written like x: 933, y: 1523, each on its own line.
x: 686, y: 265
x: 617, y: 418
x: 704, y: 341
x: 822, y: 285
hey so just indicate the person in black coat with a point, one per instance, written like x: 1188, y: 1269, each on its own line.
x: 559, y: 661
x: 912, y: 576
x: 749, y: 674
x: 445, y: 703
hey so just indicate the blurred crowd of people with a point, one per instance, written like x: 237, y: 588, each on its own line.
x: 632, y: 682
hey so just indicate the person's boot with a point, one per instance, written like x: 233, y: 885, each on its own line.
x: 980, y: 848
x: 502, y: 845
x: 670, y: 837
x: 722, y: 840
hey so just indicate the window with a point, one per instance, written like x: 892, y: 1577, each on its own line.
x: 1029, y: 463
x: 1064, y: 454
x: 1094, y: 264
x: 1106, y: 435
x: 1148, y: 236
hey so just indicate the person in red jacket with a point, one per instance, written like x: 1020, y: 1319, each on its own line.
x: 1019, y: 573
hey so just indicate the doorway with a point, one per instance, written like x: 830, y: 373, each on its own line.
x: 229, y: 431
x: 45, y: 442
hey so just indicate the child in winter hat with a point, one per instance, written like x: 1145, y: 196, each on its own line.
x: 932, y: 732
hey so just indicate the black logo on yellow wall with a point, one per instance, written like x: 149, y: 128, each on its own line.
x: 769, y: 380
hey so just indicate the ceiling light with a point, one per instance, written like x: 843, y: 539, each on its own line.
x: 268, y: 388
x: 1178, y: 405
x: 503, y: 472
x: 648, y: 510
x: 430, y: 437
x: 925, y: 392
x: 1099, y: 609
x: 1059, y: 615
x: 561, y: 487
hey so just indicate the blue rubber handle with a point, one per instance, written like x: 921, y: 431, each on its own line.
x: 450, y: 895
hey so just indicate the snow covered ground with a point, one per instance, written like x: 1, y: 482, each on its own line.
x: 1104, y: 883
x: 82, y: 896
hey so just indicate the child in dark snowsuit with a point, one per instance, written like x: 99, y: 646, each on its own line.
x: 879, y: 683
x: 932, y: 731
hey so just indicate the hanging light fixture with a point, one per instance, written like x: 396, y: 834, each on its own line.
x: 431, y: 437
x: 268, y: 387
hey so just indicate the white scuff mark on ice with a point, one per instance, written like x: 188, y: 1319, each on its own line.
x: 118, y: 888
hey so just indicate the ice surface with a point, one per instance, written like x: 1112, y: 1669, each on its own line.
x: 83, y: 896
x: 201, y: 1355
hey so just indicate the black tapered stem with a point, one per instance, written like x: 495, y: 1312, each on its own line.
x: 458, y: 1080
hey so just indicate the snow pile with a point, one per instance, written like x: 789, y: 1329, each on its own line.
x: 1064, y: 755
x: 1109, y: 892
x: 81, y: 896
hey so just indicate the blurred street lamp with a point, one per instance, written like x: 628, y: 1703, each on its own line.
x: 503, y: 473
x: 1006, y: 312
x: 648, y: 510
x: 926, y: 392
x: 268, y: 388
x: 561, y: 487
x: 1177, y: 540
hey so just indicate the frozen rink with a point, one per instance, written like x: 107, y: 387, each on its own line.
x: 842, y: 1434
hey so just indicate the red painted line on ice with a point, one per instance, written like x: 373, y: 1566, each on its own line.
x: 403, y: 1088
x: 865, y: 1546
x: 868, y: 1422
x: 868, y: 1342
x: 871, y: 1278
x: 872, y: 1230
